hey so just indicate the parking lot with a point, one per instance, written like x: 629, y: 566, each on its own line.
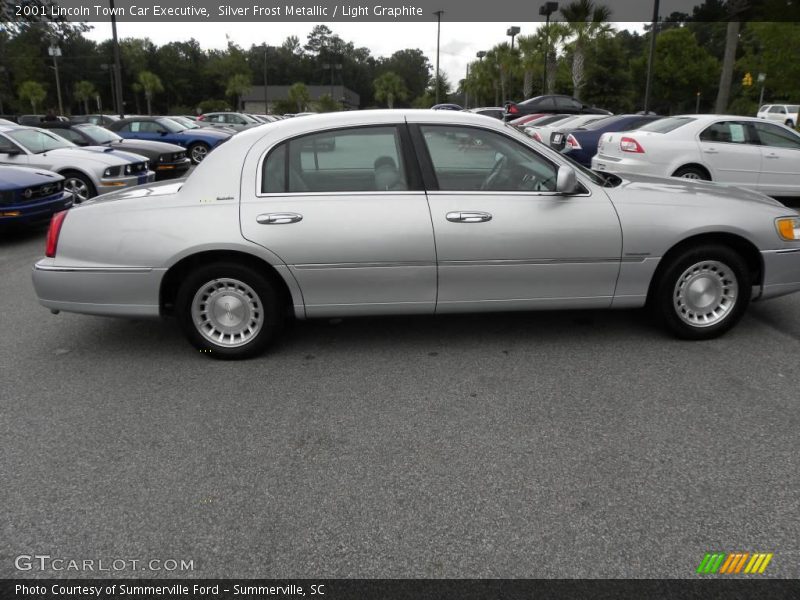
x: 569, y: 444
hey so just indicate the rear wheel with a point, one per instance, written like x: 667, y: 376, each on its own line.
x: 702, y: 292
x: 198, y: 151
x: 229, y: 311
x: 79, y: 185
x: 790, y: 123
x: 692, y: 173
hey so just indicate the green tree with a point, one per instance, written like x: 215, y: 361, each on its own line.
x: 585, y: 21
x: 237, y: 86
x: 299, y: 97
x: 33, y: 92
x: 327, y: 104
x: 151, y: 85
x: 507, y: 63
x: 389, y: 87
x: 83, y: 92
x: 412, y: 66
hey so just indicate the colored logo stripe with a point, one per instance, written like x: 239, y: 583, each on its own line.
x: 734, y: 563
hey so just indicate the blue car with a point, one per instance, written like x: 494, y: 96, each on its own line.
x: 581, y: 144
x: 30, y: 195
x: 198, y: 142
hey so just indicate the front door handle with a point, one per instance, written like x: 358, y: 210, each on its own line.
x: 711, y: 151
x: 469, y: 217
x: 773, y: 155
x: 278, y: 218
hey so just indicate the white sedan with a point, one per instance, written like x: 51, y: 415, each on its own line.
x: 741, y: 151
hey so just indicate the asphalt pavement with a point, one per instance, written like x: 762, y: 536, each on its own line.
x: 567, y: 444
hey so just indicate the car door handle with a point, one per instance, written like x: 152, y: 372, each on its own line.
x: 469, y: 217
x: 711, y: 151
x: 278, y: 218
x: 773, y: 155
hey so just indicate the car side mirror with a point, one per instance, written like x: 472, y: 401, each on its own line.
x: 566, y: 180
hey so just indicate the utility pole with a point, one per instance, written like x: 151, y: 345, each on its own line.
x: 438, y: 14
x: 120, y: 109
x: 547, y: 9
x: 266, y: 103
x: 653, y: 34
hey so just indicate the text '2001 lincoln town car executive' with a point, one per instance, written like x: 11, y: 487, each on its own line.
x: 412, y: 212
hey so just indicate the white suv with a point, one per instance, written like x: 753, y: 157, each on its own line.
x: 782, y: 113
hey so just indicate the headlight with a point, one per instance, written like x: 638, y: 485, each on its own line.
x: 162, y: 158
x: 146, y: 165
x: 111, y: 172
x: 128, y: 169
x: 789, y: 228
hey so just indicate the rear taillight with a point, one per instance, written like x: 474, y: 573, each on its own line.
x: 572, y: 143
x: 201, y: 117
x: 53, y: 232
x: 628, y: 144
x: 536, y: 136
x: 512, y: 109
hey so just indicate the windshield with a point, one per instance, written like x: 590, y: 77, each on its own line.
x: 37, y: 141
x: 596, y: 122
x: 666, y: 125
x: 99, y: 135
x: 171, y: 126
x: 187, y: 123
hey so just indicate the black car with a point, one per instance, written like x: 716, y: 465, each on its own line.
x: 167, y: 160
x: 550, y: 104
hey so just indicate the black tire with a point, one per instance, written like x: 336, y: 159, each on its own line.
x: 790, y: 123
x: 75, y: 182
x: 261, y: 306
x: 692, y: 173
x: 726, y: 273
x: 197, y: 152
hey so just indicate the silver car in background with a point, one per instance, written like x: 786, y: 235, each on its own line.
x: 412, y: 212
x: 87, y: 170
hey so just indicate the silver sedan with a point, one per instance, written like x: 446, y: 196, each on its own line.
x: 412, y: 212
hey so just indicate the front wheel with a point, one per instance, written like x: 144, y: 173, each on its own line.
x: 229, y: 311
x: 702, y: 293
x: 198, y: 151
x: 79, y: 186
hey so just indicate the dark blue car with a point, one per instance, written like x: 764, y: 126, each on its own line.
x: 581, y: 144
x: 198, y: 142
x: 30, y: 195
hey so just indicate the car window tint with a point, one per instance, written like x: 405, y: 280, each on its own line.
x: 7, y: 145
x: 729, y: 132
x: 772, y: 135
x: 347, y: 160
x: 69, y: 134
x: 472, y: 159
x: 777, y: 109
x: 563, y: 103
x: 126, y: 128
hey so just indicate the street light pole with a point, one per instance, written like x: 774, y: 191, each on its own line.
x: 547, y: 9
x: 438, y: 14
x: 512, y: 32
x: 120, y: 109
x: 653, y: 34
x: 55, y: 52
x: 266, y: 103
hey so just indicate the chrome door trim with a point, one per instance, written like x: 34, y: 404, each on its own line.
x: 39, y: 267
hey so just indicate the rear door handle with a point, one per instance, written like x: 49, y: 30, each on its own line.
x: 773, y: 155
x: 469, y: 217
x: 278, y: 218
x: 711, y: 151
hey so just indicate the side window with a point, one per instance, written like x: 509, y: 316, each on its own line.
x: 778, y: 109
x: 126, y: 128
x: 472, y: 159
x: 362, y: 159
x: 771, y: 135
x: 564, y: 103
x: 70, y: 135
x: 728, y: 132
x: 7, y: 145
x: 150, y: 127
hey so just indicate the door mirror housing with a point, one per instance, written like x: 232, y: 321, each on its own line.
x: 566, y: 180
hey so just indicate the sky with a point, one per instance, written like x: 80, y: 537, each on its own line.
x: 459, y: 41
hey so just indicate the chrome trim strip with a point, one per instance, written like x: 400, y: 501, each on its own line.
x: 92, y: 269
x: 470, y: 263
x: 784, y: 251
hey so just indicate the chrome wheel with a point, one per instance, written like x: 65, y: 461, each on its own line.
x: 691, y: 175
x: 78, y: 188
x: 705, y: 293
x: 227, y: 312
x: 199, y: 152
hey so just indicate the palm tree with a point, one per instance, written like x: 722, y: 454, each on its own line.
x: 83, y: 91
x: 33, y: 92
x: 151, y: 84
x: 298, y: 96
x: 585, y: 22
x: 507, y: 63
x: 237, y: 86
x: 389, y: 87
